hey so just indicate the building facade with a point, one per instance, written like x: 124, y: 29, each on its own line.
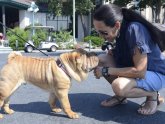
x: 14, y: 13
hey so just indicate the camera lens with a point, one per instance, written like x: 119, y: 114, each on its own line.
x: 106, y: 45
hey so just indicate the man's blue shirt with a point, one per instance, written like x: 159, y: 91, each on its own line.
x: 132, y: 35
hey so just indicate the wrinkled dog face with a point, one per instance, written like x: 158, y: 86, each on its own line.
x: 87, y: 60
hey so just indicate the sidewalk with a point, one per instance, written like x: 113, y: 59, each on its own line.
x: 5, y: 49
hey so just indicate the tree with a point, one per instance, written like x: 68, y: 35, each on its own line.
x: 122, y: 3
x: 84, y: 7
x: 154, y: 4
x: 58, y: 7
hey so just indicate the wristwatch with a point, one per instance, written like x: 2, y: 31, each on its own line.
x: 105, y: 71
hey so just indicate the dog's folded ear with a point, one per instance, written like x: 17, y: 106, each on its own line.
x: 79, y: 63
x: 78, y: 59
x: 78, y: 46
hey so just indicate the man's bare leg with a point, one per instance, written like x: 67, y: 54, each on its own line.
x: 127, y: 87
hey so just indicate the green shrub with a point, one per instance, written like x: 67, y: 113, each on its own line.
x: 12, y: 37
x: 66, y: 45
x: 40, y: 34
x: 62, y: 36
x: 95, y: 40
x: 64, y: 39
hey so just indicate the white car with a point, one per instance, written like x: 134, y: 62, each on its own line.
x: 49, y: 44
x: 87, y: 45
x: 44, y: 45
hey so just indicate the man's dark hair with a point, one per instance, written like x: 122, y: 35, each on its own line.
x: 111, y: 13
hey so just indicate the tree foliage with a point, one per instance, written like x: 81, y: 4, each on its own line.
x: 155, y: 5
x: 122, y: 3
x: 82, y: 7
x: 58, y: 7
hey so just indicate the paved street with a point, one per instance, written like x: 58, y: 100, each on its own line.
x: 31, y: 107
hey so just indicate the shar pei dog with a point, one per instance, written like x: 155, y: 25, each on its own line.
x: 50, y: 74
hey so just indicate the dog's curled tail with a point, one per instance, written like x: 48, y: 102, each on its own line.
x: 12, y: 55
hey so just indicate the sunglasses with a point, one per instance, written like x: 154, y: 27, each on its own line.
x: 103, y: 33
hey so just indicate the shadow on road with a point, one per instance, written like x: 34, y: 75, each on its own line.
x: 88, y: 105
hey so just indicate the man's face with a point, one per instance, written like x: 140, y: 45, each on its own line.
x: 107, y: 32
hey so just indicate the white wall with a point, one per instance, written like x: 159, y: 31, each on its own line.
x: 25, y: 18
x: 147, y: 13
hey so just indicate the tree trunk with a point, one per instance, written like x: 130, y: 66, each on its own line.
x: 153, y: 14
x: 83, y: 25
x: 158, y: 9
x: 163, y: 21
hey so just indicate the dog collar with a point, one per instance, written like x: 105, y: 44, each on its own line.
x: 61, y: 65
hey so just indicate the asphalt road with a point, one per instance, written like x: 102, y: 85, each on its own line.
x: 31, y: 107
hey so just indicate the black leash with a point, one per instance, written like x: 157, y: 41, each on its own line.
x: 23, y: 39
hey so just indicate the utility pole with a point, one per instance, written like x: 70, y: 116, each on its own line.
x: 34, y: 9
x: 74, y: 21
x: 4, y: 20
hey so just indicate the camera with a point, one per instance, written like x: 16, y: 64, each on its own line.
x: 107, y: 46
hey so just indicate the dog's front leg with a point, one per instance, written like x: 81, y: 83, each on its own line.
x: 52, y: 103
x: 62, y: 95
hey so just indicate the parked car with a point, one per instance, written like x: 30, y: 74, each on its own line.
x: 48, y: 44
x: 88, y: 45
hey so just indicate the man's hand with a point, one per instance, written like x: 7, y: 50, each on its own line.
x: 110, y: 52
x: 98, y: 72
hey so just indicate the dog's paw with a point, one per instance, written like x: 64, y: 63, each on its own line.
x: 9, y: 111
x: 1, y: 116
x: 56, y: 110
x: 73, y: 115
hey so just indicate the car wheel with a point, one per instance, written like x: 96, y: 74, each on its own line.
x: 53, y: 49
x: 25, y: 50
x: 29, y: 49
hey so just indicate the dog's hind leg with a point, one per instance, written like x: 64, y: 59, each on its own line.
x: 9, y: 82
x: 52, y: 103
x: 4, y: 103
x: 1, y: 104
x: 6, y: 107
x: 6, y: 92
